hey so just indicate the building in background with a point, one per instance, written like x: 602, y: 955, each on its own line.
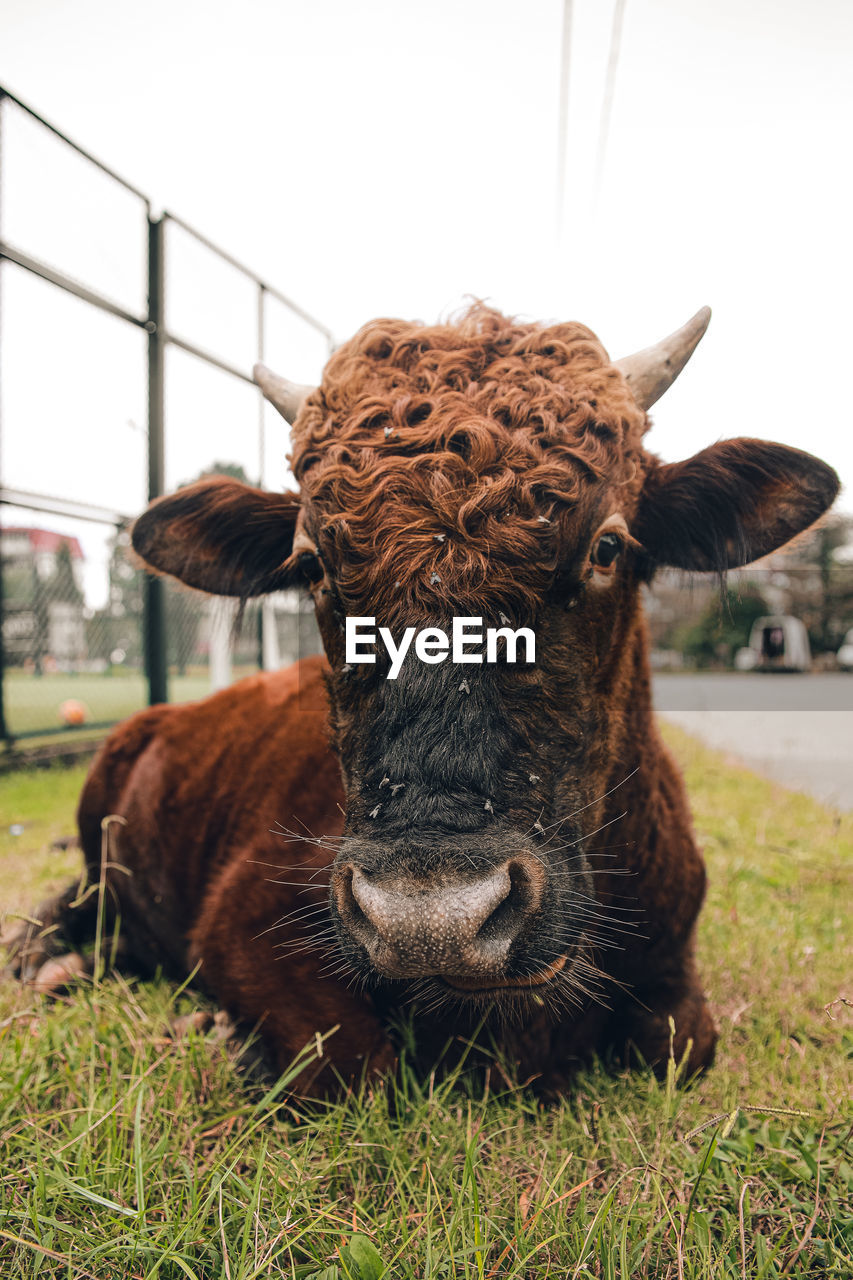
x: 44, y: 625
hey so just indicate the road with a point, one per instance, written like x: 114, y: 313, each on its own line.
x: 795, y: 729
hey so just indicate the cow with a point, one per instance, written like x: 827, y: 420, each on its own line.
x: 506, y: 845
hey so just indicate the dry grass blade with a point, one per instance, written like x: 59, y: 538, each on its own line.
x: 528, y: 1226
x: 225, y: 1260
x: 742, y: 1226
x: 49, y: 1253
x: 807, y: 1234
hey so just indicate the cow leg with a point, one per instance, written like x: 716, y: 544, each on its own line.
x: 291, y: 1007
x: 66, y: 921
x: 285, y: 992
x: 202, y: 1021
x: 645, y: 1031
x: 61, y: 972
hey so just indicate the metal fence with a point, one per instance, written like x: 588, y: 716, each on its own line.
x: 126, y: 344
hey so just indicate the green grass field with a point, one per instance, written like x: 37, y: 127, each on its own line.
x: 33, y: 702
x: 125, y: 1154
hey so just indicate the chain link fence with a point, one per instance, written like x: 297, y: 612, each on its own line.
x: 126, y: 345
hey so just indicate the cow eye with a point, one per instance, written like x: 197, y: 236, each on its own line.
x: 606, y: 551
x: 310, y: 568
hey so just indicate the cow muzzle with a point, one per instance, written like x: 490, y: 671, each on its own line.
x: 448, y: 925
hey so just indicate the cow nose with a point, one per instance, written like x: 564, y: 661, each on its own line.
x: 452, y: 925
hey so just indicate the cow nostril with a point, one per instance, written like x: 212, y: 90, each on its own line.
x: 357, y: 921
x: 413, y: 927
x: 522, y: 899
x: 527, y: 878
x: 342, y: 888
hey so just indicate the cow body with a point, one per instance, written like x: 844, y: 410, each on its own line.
x: 325, y: 846
x: 211, y: 871
x: 219, y: 877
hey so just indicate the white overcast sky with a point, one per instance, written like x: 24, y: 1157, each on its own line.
x: 392, y: 158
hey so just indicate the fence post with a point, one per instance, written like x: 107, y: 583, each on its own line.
x: 3, y: 730
x: 264, y: 608
x: 154, y: 620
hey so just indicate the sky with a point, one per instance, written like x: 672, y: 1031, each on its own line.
x: 382, y: 158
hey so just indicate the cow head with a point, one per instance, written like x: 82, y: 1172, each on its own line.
x: 495, y: 470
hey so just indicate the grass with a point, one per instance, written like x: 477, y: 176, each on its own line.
x: 123, y: 1154
x: 33, y: 702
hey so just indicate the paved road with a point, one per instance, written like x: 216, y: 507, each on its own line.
x: 795, y: 729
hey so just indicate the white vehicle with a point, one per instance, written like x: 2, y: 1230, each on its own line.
x: 746, y: 659
x: 844, y: 656
x: 780, y: 642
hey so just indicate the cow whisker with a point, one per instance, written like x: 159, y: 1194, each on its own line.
x: 304, y: 866
x: 278, y: 866
x: 290, y: 836
x: 302, y: 942
x: 307, y: 836
x: 286, y: 838
x: 298, y: 946
x: 588, y: 835
x: 299, y: 915
x: 297, y: 884
x: 596, y: 801
x: 307, y: 939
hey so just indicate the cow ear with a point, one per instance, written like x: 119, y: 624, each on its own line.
x: 730, y: 504
x: 220, y: 535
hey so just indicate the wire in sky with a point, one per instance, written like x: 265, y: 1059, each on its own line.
x: 563, y: 114
x: 609, y: 91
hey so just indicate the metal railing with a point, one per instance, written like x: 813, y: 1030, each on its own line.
x: 48, y: 600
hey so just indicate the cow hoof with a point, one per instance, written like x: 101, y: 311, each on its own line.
x: 60, y: 972
x: 25, y: 950
x: 202, y: 1021
x: 12, y: 941
x: 223, y: 1027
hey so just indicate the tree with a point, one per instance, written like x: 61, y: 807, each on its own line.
x: 819, y: 588
x: 723, y: 628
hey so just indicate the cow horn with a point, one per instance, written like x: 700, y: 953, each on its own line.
x: 651, y: 372
x: 288, y: 397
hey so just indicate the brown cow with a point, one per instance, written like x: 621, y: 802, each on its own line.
x: 328, y: 844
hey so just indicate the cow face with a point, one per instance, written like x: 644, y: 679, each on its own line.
x: 497, y: 471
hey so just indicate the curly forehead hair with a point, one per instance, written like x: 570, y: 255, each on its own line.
x: 455, y: 464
